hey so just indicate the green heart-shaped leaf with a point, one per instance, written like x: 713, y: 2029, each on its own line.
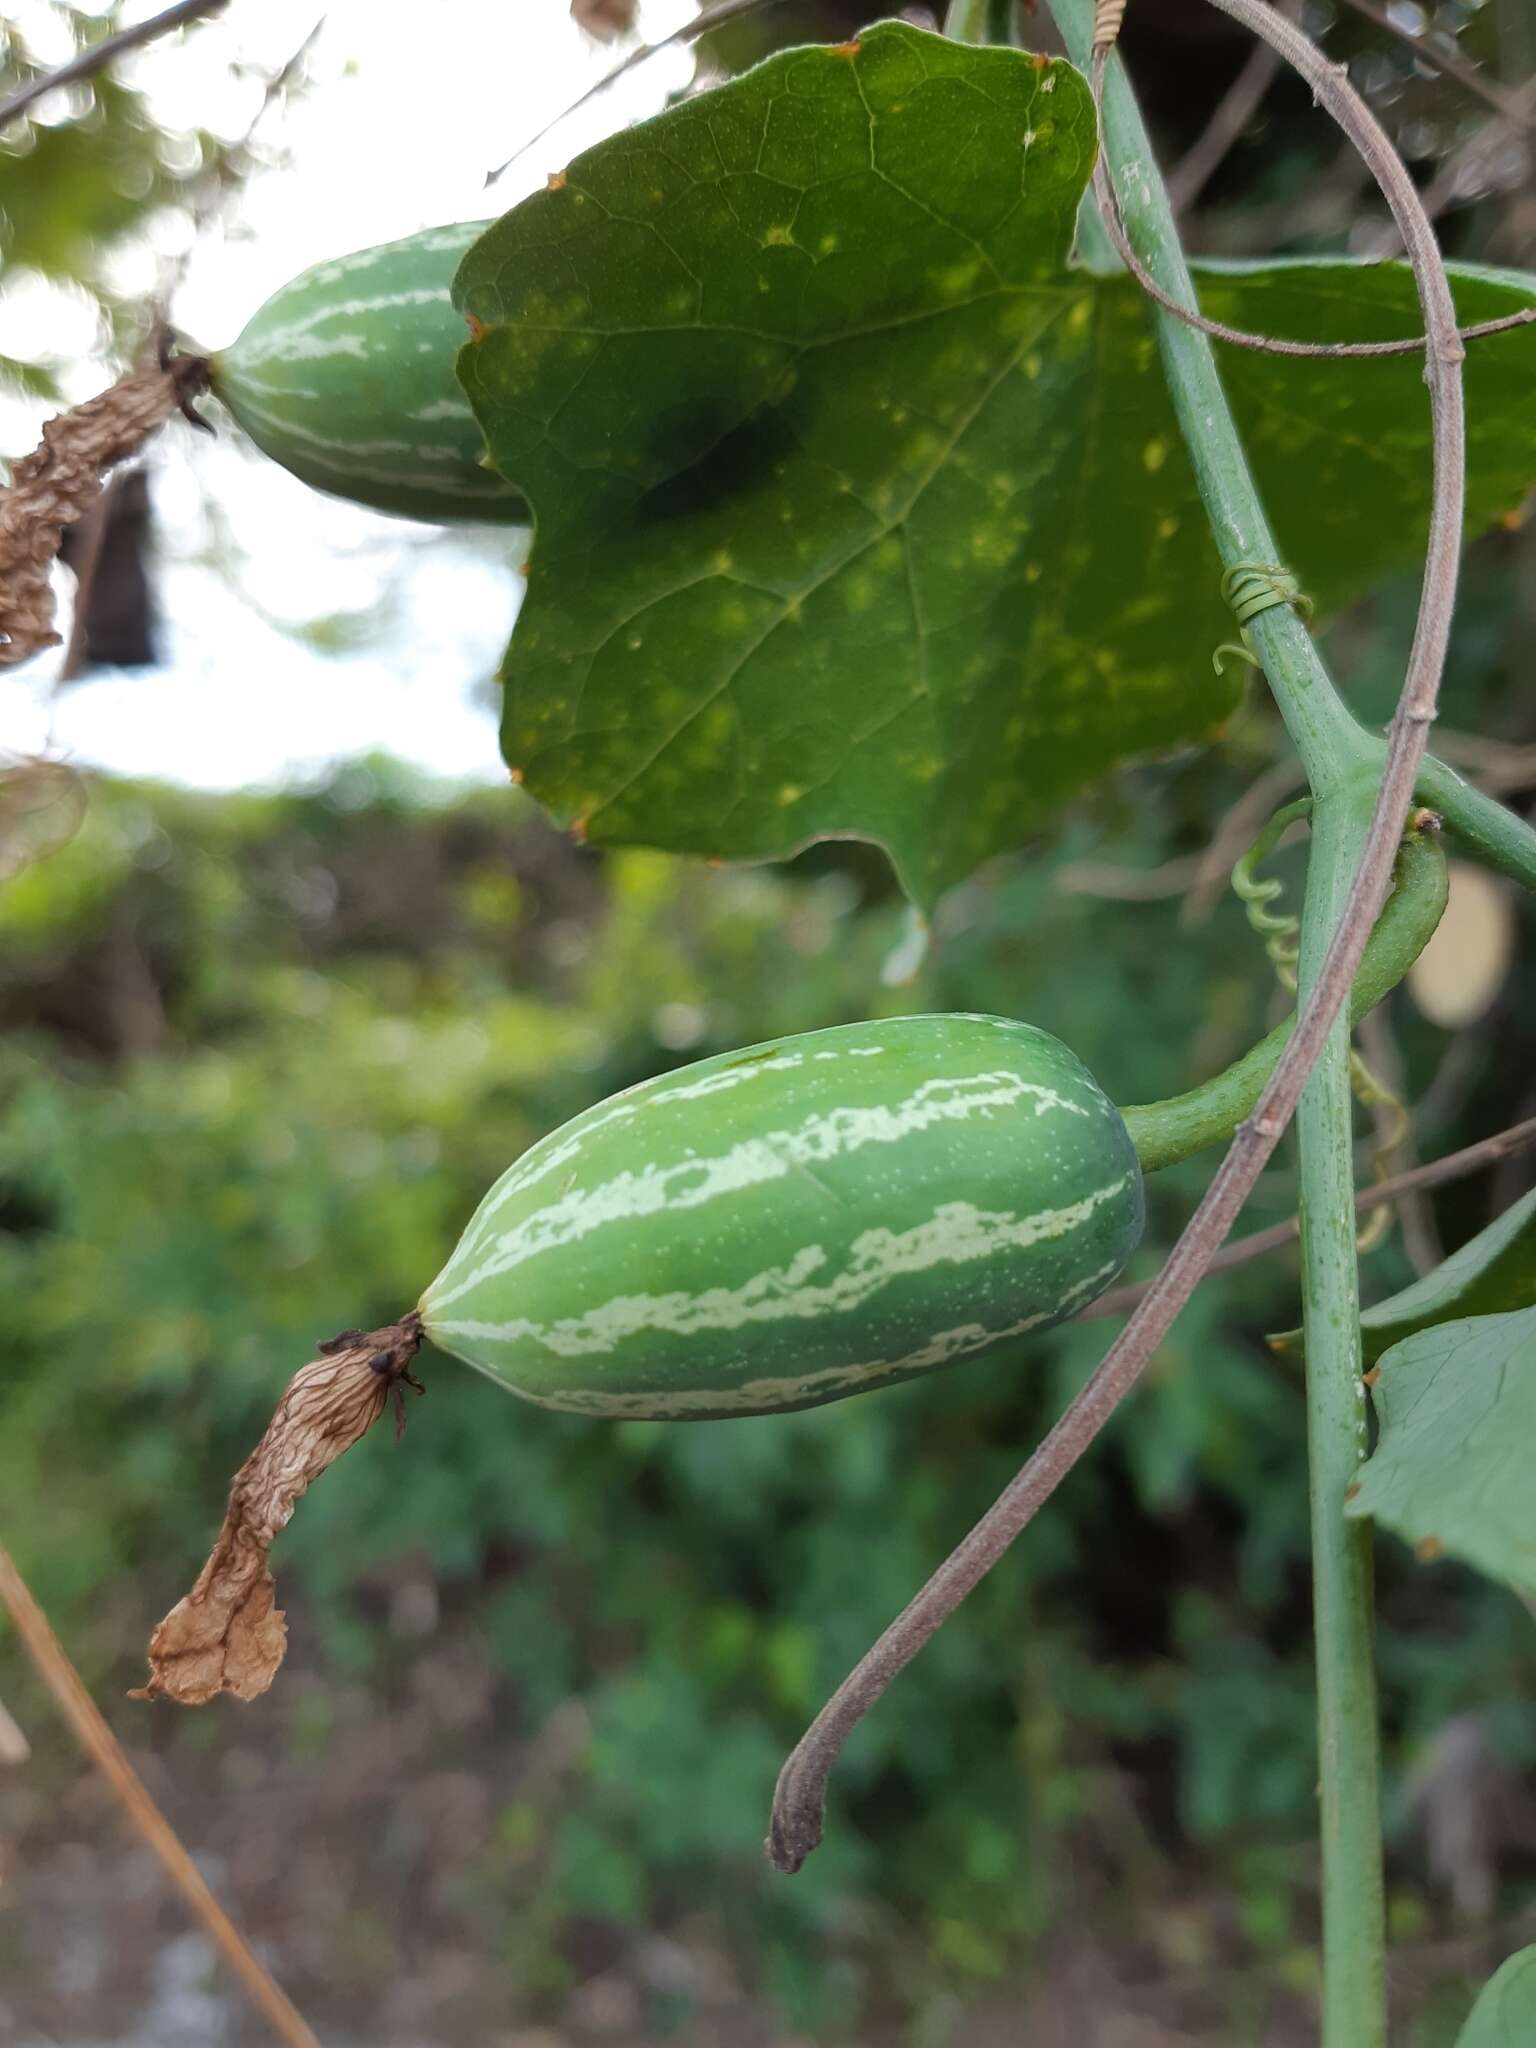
x: 1451, y: 1472
x: 1505, y: 2013
x: 859, y: 510
x: 1491, y: 1273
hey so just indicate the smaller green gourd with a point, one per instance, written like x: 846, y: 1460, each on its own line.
x: 820, y: 1215
x: 346, y: 377
x: 804, y: 1220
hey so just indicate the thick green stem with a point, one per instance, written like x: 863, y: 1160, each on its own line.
x: 1166, y: 1132
x: 1342, y: 763
x: 1354, y: 1913
x: 1485, y: 830
x: 1333, y: 746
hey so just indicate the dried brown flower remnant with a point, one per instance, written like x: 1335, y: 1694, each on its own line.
x: 604, y: 19
x: 42, y: 806
x: 227, y: 1634
x: 58, y: 482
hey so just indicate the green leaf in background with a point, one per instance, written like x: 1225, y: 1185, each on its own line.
x: 1505, y: 2013
x: 1452, y: 1468
x: 794, y: 374
x: 1491, y: 1273
x: 859, y: 511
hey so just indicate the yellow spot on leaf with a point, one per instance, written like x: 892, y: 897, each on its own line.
x: 957, y: 280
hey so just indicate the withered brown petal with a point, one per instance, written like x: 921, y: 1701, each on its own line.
x: 228, y: 1634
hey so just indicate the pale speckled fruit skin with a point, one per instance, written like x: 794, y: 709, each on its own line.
x: 797, y: 1222
x: 346, y: 377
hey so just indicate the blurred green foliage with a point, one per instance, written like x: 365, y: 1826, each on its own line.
x: 88, y: 176
x: 261, y: 1057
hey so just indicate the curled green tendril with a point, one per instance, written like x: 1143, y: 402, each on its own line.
x: 1254, y: 587
x: 1165, y: 1132
x: 1240, y: 653
x: 1282, y: 934
x: 1374, y: 1091
x: 1282, y: 942
x: 1250, y: 588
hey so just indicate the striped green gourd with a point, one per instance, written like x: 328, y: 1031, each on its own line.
x: 346, y: 378
x: 807, y: 1219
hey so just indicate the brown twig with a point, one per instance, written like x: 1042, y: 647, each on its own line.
x: 1236, y: 108
x: 1236, y: 832
x: 60, y: 482
x: 107, y: 1753
x: 91, y: 531
x: 1118, y: 884
x: 1328, y: 206
x: 99, y: 55
x: 225, y: 169
x: 1495, y: 765
x: 1415, y: 1214
x: 1471, y: 1159
x: 1445, y: 188
x: 1446, y: 57
x: 800, y: 1796
x: 1241, y: 337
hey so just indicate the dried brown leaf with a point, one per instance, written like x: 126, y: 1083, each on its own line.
x: 604, y: 19
x: 42, y: 806
x: 60, y: 481
x: 228, y: 1634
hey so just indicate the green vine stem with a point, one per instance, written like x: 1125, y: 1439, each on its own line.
x: 1361, y: 798
x: 1345, y: 770
x: 1168, y: 1131
x: 1344, y: 779
x: 1362, y: 794
x: 1485, y: 830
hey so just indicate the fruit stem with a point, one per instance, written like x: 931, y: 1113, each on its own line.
x: 1168, y: 1131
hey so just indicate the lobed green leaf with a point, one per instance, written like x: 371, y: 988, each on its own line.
x: 1451, y: 1472
x: 1505, y: 2013
x: 1490, y: 1274
x: 862, y: 512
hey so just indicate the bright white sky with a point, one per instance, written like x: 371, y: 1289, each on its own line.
x: 407, y: 111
